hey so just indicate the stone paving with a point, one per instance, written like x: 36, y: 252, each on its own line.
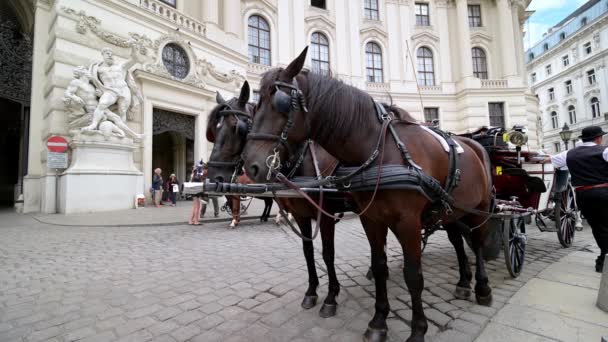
x: 207, y: 283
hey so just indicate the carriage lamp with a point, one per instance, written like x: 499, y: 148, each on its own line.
x: 517, y: 138
x: 565, y: 134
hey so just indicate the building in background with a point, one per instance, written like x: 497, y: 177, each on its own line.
x: 567, y: 72
x: 456, y: 61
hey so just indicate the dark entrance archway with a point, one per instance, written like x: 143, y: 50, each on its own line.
x: 15, y: 86
x: 173, y: 143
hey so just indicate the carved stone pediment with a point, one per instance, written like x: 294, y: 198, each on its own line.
x: 552, y: 108
x: 373, y: 32
x: 425, y: 36
x: 320, y: 20
x: 480, y: 37
x: 592, y: 91
x: 569, y: 101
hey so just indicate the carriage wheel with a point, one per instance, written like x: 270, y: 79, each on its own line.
x: 514, y: 243
x: 565, y: 217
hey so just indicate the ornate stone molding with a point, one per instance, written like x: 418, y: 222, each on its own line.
x: 592, y: 90
x: 425, y: 36
x: 167, y: 121
x: 16, y: 63
x: 569, y: 101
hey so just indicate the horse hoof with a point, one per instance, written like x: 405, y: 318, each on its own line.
x: 369, y: 275
x: 462, y: 292
x: 484, y: 300
x: 309, y: 302
x: 375, y: 335
x: 328, y: 310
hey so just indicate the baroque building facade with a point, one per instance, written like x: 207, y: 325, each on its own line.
x: 458, y: 62
x: 567, y: 72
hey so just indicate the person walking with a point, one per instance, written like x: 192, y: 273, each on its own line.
x: 173, y: 189
x: 588, y: 166
x: 197, y: 177
x: 157, y: 187
x: 205, y: 198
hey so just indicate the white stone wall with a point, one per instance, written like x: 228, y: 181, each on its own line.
x: 214, y: 34
x: 596, y: 33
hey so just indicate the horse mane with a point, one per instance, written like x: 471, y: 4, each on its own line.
x: 346, y: 109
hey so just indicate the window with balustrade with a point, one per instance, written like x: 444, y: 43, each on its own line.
x: 373, y: 62
x: 259, y: 40
x: 370, y: 9
x: 422, y: 14
x: 426, y: 67
x: 474, y: 15
x: 319, y: 53
x: 480, y: 65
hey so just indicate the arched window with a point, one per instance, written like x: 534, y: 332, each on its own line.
x: 259, y: 40
x: 595, y: 107
x: 175, y: 59
x: 426, y: 69
x: 373, y: 62
x: 480, y: 64
x: 554, y: 121
x: 320, y: 53
x: 572, y: 114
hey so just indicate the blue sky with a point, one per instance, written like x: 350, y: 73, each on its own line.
x: 548, y: 13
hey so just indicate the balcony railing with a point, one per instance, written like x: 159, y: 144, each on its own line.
x: 258, y: 68
x: 494, y: 84
x: 375, y: 86
x: 174, y: 16
x: 430, y: 89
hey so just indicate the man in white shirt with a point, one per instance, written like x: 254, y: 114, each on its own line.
x: 588, y: 166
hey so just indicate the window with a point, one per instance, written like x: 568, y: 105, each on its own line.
x: 474, y: 16
x: 175, y: 59
x: 548, y: 69
x: 426, y: 68
x: 569, y: 87
x: 497, y: 114
x: 318, y: 3
x: 431, y: 115
x: 572, y: 114
x: 591, y: 76
x: 562, y: 36
x: 533, y: 77
x: 259, y: 40
x: 546, y: 46
x: 584, y: 21
x: 566, y: 60
x: 373, y: 61
x: 554, y: 120
x: 557, y: 147
x: 480, y: 66
x: 551, y: 94
x: 171, y: 3
x: 371, y: 10
x: 531, y: 55
x: 256, y: 96
x: 422, y: 14
x: 320, y: 54
x: 587, y: 48
x: 595, y: 108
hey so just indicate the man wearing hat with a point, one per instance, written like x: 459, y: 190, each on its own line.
x: 588, y: 166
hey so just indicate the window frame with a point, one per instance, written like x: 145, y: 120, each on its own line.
x: 475, y: 19
x: 316, y: 55
x: 533, y: 77
x: 548, y: 69
x: 568, y: 84
x: 557, y: 146
x: 595, y: 108
x: 423, y: 75
x: 374, y: 67
x: 591, y: 78
x: 428, y: 112
x: 554, y: 120
x: 588, y: 48
x: 501, y: 117
x: 259, y: 46
x: 172, y: 3
x: 421, y: 18
x: 369, y: 11
x: 566, y: 60
x: 175, y: 66
x: 572, y: 114
x: 480, y: 61
x: 324, y: 4
x: 551, y: 92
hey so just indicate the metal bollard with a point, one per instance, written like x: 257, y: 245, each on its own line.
x: 602, y: 296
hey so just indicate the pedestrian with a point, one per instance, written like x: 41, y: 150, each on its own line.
x: 588, y: 166
x: 173, y: 189
x: 157, y: 187
x: 196, y: 177
x: 205, y: 198
x: 166, y: 190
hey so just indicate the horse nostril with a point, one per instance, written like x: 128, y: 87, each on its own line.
x: 254, y: 169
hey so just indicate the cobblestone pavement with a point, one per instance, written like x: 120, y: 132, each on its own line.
x: 207, y: 283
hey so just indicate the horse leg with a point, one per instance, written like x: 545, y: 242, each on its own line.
x: 268, y: 205
x: 410, y: 239
x: 483, y: 292
x: 330, y: 305
x: 463, y: 287
x: 310, y: 298
x: 370, y: 273
x: 376, y: 235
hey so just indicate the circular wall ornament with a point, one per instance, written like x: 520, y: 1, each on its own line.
x: 175, y: 59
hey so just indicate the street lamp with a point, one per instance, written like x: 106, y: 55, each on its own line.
x: 565, y: 134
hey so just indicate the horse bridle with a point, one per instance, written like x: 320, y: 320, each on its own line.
x: 286, y: 105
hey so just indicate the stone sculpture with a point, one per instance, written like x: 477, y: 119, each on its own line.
x: 96, y: 93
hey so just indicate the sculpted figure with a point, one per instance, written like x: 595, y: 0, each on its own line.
x: 113, y: 84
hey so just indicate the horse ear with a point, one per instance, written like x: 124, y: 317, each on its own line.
x: 218, y: 98
x: 295, y: 66
x: 244, y: 97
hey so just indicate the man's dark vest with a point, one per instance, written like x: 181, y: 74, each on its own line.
x: 587, y: 165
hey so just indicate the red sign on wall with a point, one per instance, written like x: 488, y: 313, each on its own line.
x: 57, y: 144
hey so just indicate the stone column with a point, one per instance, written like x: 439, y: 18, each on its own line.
x: 200, y: 141
x: 444, y: 43
x: 405, y: 18
x: 505, y: 27
x: 147, y: 144
x: 232, y: 17
x: 464, y: 39
x: 342, y: 60
x: 211, y: 11
x: 394, y: 41
x: 283, y: 34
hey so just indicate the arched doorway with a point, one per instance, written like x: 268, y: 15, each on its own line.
x: 173, y: 143
x: 15, y: 87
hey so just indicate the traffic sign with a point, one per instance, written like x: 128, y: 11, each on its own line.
x: 57, y: 144
x: 57, y: 160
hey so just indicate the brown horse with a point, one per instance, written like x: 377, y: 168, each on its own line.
x: 344, y: 120
x: 226, y: 127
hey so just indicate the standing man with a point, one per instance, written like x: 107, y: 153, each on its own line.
x: 588, y: 166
